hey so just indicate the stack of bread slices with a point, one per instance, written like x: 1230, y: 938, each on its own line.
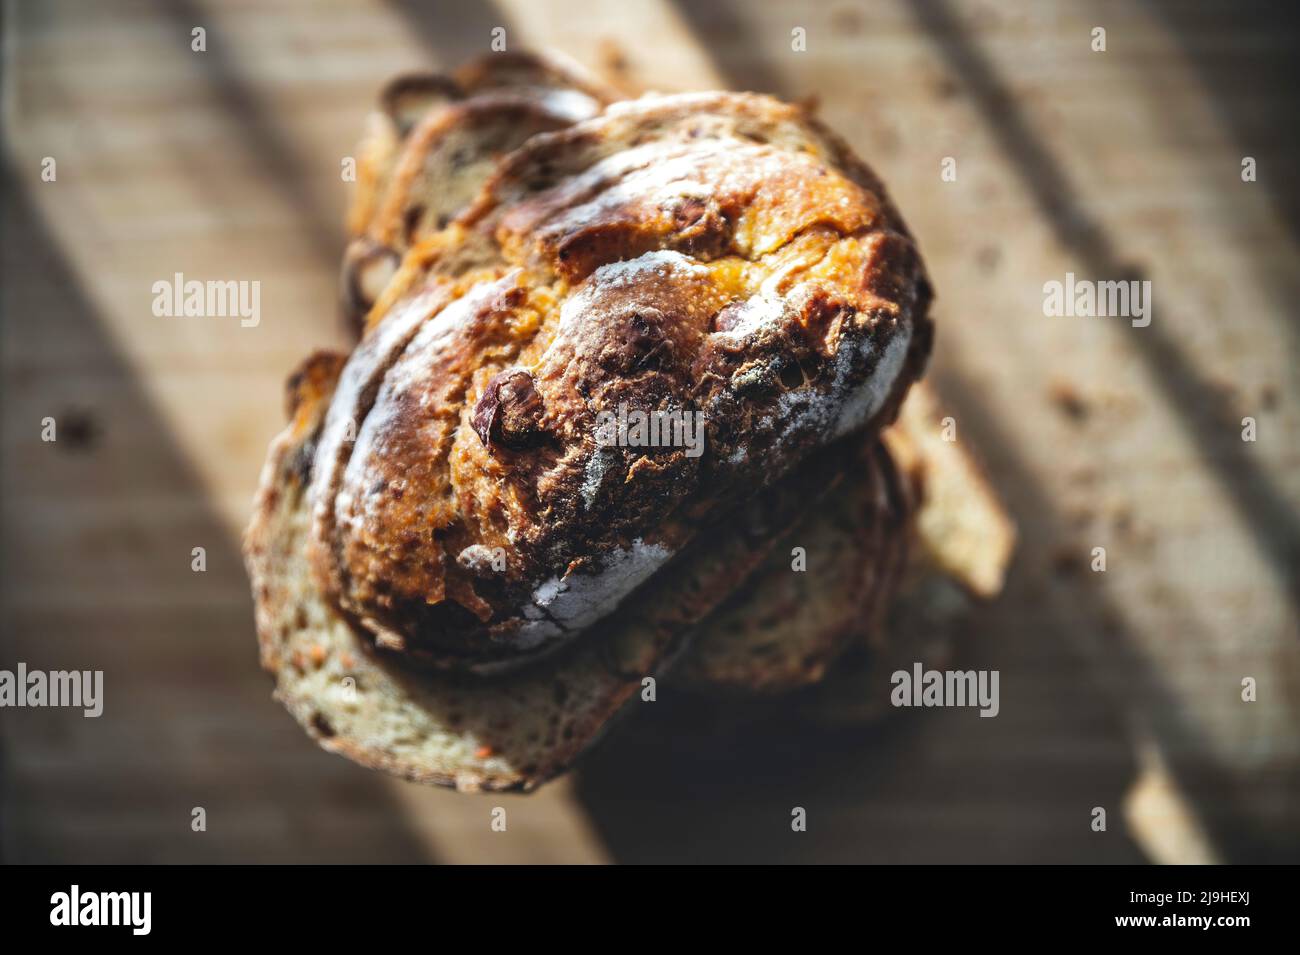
x: 459, y: 577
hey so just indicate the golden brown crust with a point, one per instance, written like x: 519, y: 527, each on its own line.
x: 718, y: 254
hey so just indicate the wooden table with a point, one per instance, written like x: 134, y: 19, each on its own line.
x: 1119, y: 689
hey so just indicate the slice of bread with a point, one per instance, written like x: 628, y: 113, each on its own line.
x: 922, y: 626
x: 825, y: 585
x: 785, y: 628
x: 963, y: 529
x: 432, y: 144
x: 513, y: 731
x: 413, y: 98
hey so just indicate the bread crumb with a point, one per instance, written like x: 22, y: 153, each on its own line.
x: 1065, y: 562
x: 613, y: 58
x: 1068, y: 400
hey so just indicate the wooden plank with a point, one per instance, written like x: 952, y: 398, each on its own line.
x: 224, y: 164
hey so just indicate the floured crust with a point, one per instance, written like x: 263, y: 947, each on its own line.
x: 511, y: 732
x: 713, y: 254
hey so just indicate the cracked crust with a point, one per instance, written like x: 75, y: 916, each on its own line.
x: 718, y: 254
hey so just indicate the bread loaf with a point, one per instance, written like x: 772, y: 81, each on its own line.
x: 717, y: 255
x: 465, y: 560
x: 513, y: 731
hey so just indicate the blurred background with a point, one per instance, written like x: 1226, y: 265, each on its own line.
x: 1120, y: 689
